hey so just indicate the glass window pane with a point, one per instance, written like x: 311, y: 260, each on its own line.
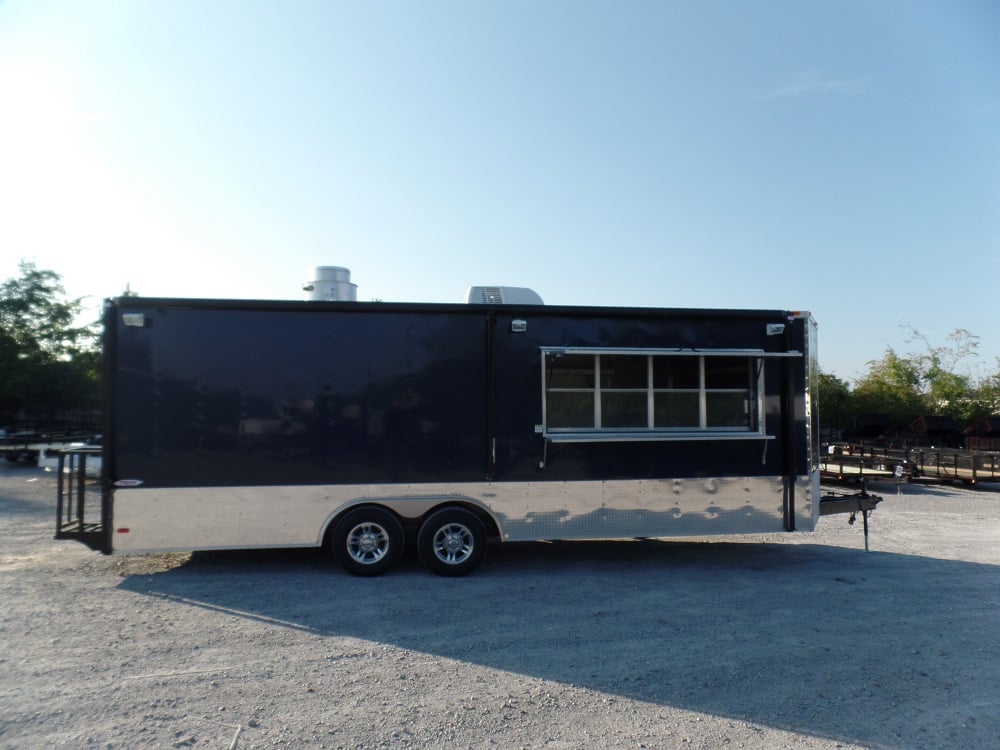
x: 676, y: 372
x: 572, y: 409
x: 623, y: 372
x: 727, y: 410
x: 675, y: 410
x: 623, y: 409
x: 570, y: 371
x: 727, y: 372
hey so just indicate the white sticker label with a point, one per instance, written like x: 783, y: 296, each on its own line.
x: 128, y: 483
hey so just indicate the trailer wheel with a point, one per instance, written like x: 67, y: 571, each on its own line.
x: 452, y: 542
x: 367, y: 541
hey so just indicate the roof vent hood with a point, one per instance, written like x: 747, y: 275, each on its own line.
x: 330, y: 284
x: 502, y: 295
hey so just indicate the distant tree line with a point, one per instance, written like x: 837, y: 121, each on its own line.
x: 933, y: 382
x: 49, y: 362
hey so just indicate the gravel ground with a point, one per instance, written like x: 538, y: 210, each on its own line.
x: 784, y: 641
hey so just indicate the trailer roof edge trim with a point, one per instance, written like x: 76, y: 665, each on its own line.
x: 534, y: 310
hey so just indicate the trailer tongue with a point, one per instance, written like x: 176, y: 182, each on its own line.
x: 858, y: 502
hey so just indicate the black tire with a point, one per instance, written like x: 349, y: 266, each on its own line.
x: 452, y: 542
x: 367, y: 541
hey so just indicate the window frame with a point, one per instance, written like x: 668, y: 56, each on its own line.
x: 755, y: 429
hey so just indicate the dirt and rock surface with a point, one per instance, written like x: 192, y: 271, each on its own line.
x: 784, y: 641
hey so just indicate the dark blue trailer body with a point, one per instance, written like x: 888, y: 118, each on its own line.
x: 254, y: 423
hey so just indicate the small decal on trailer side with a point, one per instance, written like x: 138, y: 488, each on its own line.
x: 128, y: 483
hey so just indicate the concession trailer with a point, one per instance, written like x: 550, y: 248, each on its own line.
x: 373, y: 427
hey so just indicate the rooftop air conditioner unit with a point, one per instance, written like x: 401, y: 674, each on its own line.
x: 502, y: 295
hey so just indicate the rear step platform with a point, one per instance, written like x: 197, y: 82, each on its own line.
x: 75, y: 519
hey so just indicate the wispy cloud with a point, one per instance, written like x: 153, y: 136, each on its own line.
x: 811, y: 82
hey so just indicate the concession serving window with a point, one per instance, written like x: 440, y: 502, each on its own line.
x: 653, y: 394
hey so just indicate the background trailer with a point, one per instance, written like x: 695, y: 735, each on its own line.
x: 368, y: 427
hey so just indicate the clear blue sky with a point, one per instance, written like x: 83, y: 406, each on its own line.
x: 839, y: 157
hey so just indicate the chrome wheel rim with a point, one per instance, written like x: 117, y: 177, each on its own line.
x: 367, y: 543
x: 453, y: 544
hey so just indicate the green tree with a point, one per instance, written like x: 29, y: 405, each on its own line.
x: 935, y: 381
x: 891, y: 386
x: 48, y: 362
x: 985, y: 396
x: 836, y: 406
x: 946, y: 390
